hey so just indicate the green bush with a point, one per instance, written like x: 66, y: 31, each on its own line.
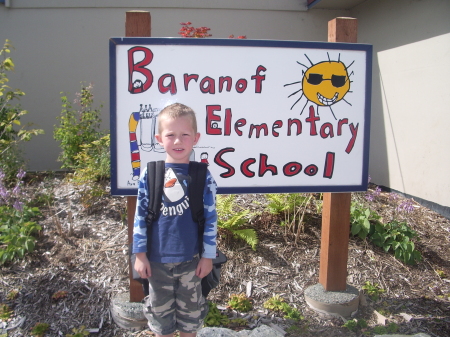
x: 77, y: 128
x: 94, y: 160
x: 11, y: 131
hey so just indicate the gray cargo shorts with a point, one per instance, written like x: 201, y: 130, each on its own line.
x: 175, y: 300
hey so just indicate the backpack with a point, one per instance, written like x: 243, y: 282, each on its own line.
x: 197, y: 175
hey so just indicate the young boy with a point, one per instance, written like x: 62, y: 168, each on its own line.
x: 172, y: 265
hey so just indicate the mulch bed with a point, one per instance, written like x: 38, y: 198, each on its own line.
x: 82, y: 252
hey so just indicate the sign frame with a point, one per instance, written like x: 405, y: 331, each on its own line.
x: 235, y: 43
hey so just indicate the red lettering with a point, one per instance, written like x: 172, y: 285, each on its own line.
x: 258, y: 79
x: 351, y: 143
x: 263, y: 167
x: 291, y: 169
x: 244, y: 167
x: 326, y: 130
x: 239, y: 123
x: 224, y: 79
x: 340, y: 124
x: 212, y: 127
x: 241, y: 85
x: 172, y: 86
x: 258, y: 129
x: 188, y: 78
x: 311, y: 170
x: 228, y: 116
x: 296, y: 122
x: 312, y: 120
x: 137, y: 86
x: 209, y: 88
x: 222, y: 163
x: 276, y: 125
x: 329, y: 165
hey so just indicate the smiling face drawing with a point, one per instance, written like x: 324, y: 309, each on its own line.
x: 324, y: 83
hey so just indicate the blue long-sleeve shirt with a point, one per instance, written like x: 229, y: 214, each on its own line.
x: 174, y: 236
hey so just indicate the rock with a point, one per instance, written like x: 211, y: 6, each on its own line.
x: 261, y: 331
x: 216, y: 332
x: 416, y: 335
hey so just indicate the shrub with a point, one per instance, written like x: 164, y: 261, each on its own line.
x: 77, y: 127
x: 95, y: 159
x: 11, y: 132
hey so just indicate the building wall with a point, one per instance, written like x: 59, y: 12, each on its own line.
x: 58, y: 45
x: 410, y: 141
x: 61, y: 43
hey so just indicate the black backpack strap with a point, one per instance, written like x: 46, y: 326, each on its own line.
x: 155, y: 185
x: 197, y: 174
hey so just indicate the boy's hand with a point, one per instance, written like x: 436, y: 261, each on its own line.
x: 142, y: 265
x: 204, y: 267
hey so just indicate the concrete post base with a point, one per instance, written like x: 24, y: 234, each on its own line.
x: 333, y: 303
x: 128, y: 315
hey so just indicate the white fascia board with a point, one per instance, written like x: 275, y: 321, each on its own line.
x: 273, y: 5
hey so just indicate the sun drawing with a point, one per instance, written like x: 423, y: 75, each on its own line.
x: 324, y: 83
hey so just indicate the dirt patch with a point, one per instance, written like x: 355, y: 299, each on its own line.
x: 83, y: 252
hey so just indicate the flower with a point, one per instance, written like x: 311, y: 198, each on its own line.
x: 406, y: 206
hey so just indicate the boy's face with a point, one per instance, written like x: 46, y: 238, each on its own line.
x: 178, y: 138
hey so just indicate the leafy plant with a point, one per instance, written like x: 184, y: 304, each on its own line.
x: 278, y: 304
x: 95, y: 159
x: 39, y: 329
x: 293, y: 207
x: 16, y: 232
x: 354, y: 324
x: 274, y: 303
x: 77, y: 127
x: 240, y: 302
x: 382, y: 330
x: 373, y: 290
x: 396, y: 236
x: 5, y: 312
x: 238, y: 322
x: 361, y: 219
x: 189, y: 31
x: 79, y: 332
x: 291, y: 313
x: 11, y: 131
x: 232, y: 221
x: 215, y: 317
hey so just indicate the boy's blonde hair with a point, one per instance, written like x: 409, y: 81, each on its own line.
x: 177, y: 110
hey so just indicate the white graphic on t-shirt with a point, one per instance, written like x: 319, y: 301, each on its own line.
x: 173, y: 190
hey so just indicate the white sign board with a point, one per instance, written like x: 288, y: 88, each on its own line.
x: 274, y: 116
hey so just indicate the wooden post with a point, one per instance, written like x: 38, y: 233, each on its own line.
x: 336, y: 206
x: 137, y: 24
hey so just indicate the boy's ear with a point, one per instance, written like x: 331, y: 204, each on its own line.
x: 197, y: 137
x: 158, y: 138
